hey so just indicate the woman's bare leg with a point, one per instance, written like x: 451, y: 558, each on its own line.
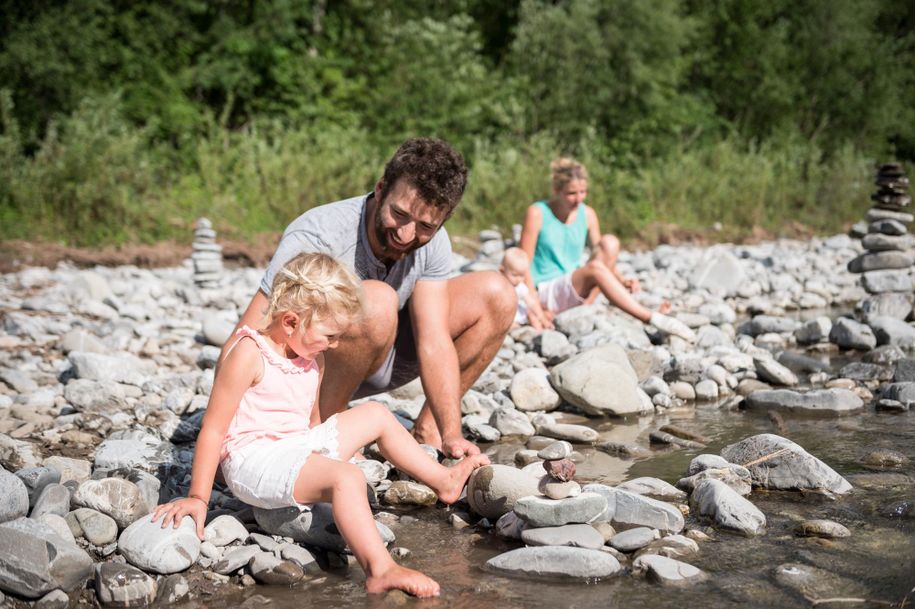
x: 596, y: 274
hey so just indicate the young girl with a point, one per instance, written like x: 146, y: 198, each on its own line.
x: 262, y: 424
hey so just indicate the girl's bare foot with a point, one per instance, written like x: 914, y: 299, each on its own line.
x: 451, y: 486
x: 401, y: 578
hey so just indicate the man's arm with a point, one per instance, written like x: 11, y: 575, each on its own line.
x: 439, y: 368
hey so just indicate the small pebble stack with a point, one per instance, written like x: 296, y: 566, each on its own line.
x: 886, y: 263
x: 560, y: 469
x: 207, y: 255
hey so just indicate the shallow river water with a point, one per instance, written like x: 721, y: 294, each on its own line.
x: 876, y: 563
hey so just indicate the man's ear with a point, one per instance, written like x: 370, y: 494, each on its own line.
x: 379, y: 186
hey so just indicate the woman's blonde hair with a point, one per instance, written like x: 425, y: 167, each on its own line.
x: 564, y: 170
x: 315, y: 286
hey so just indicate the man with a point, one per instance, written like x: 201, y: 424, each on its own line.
x: 417, y: 319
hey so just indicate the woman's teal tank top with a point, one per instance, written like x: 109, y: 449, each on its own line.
x: 559, y: 245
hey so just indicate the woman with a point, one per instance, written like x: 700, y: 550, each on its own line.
x: 554, y: 236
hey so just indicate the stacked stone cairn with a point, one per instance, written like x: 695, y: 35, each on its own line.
x: 885, y: 265
x: 207, y: 255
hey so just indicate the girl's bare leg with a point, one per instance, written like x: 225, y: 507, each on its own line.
x: 343, y: 485
x: 373, y: 422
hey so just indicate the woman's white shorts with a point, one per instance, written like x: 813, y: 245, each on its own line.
x: 263, y: 474
x: 558, y: 294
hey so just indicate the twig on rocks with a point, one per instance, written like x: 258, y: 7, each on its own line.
x: 906, y: 598
x: 823, y: 601
x: 767, y: 457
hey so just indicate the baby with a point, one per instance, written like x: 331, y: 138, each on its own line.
x: 515, y: 266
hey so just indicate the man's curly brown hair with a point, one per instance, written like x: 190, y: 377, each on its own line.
x: 431, y: 166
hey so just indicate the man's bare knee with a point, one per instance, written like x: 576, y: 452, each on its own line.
x: 495, y: 297
x: 378, y: 323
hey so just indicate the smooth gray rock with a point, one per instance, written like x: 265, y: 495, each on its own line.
x: 542, y: 512
x: 736, y: 477
x: 718, y: 271
x: 36, y: 479
x: 20, y: 381
x: 97, y: 528
x: 764, y: 324
x: 634, y: 539
x: 718, y: 502
x: 904, y: 371
x: 300, y: 556
x: 667, y: 571
x: 888, y: 304
x: 478, y: 428
x: 672, y: 546
x: 575, y: 535
x: 492, y: 490
x: 172, y: 589
x: 34, y: 559
x: 145, y: 544
x: 120, y: 585
x: 900, y: 392
x: 235, y: 558
x: 511, y: 422
x: 14, y: 497
x: 880, y: 261
x: 578, y: 434
x: 314, y: 527
x: 225, y: 529
x: 54, y: 499
x: 87, y: 395
x: 122, y: 368
x: 55, y: 599
x: 879, y: 282
x: 216, y: 331
x: 779, y: 464
x: 134, y: 450
x: 831, y: 401
x: 405, y: 492
x: 827, y: 529
x: 770, y: 371
x: 552, y: 346
x: 626, y: 510
x: 120, y: 499
x: 556, y: 450
x: 599, y: 381
x: 813, y: 331
x: 892, y: 331
x: 268, y: 569
x: 80, y: 340
x: 850, y: 334
x: 78, y: 470
x: 652, y: 487
x: 554, y: 562
x: 531, y: 391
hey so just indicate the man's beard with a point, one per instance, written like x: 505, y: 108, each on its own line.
x: 383, y: 237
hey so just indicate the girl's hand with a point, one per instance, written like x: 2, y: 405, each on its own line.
x: 175, y: 511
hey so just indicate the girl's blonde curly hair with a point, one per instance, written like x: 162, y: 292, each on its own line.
x: 314, y: 287
x: 564, y: 170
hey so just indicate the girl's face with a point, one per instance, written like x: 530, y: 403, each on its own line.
x: 317, y: 337
x: 573, y: 193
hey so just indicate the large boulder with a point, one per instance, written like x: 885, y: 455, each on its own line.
x: 493, y: 490
x: 720, y: 503
x: 600, y: 381
x: 777, y: 463
x: 315, y: 527
x: 146, y: 545
x: 554, y: 562
x: 35, y: 560
x: 531, y: 391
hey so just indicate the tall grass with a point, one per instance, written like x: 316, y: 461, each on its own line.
x: 96, y: 180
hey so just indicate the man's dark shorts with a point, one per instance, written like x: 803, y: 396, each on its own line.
x: 401, y: 364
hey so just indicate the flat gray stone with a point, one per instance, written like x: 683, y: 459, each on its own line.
x: 715, y: 500
x: 880, y: 261
x: 879, y: 282
x: 225, y: 529
x: 122, y: 368
x: 718, y: 271
x: 78, y: 470
x: 850, y: 334
x: 543, y: 512
x: 770, y: 371
x: 267, y: 569
x: 511, y: 422
x: 634, y: 539
x: 34, y: 559
x: 557, y: 450
x: 667, y: 571
x: 779, y: 464
x: 36, y: 479
x: 530, y: 390
x: 120, y: 585
x: 313, y: 527
x: 554, y: 562
x: 672, y: 546
x: 813, y: 331
x: 827, y: 529
x: 575, y: 535
x: 831, y: 401
x: 236, y: 558
x: 626, y: 510
x: 97, y: 528
x: 892, y: 331
x: 87, y: 395
x: 652, y: 487
x: 145, y: 544
x: 54, y: 499
x: 578, y: 434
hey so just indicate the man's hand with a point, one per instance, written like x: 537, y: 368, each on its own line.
x: 457, y: 447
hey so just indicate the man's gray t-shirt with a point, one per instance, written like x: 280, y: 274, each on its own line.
x: 338, y: 229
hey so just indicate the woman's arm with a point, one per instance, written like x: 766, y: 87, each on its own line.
x: 530, y: 230
x: 241, y: 369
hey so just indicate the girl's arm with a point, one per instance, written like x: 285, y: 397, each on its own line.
x: 240, y: 370
x: 315, y: 408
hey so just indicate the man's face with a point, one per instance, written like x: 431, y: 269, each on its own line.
x: 403, y: 222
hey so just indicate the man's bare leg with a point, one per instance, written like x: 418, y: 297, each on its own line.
x: 362, y: 348
x: 483, y: 306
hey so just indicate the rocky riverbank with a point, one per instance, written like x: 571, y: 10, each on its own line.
x: 105, y: 373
